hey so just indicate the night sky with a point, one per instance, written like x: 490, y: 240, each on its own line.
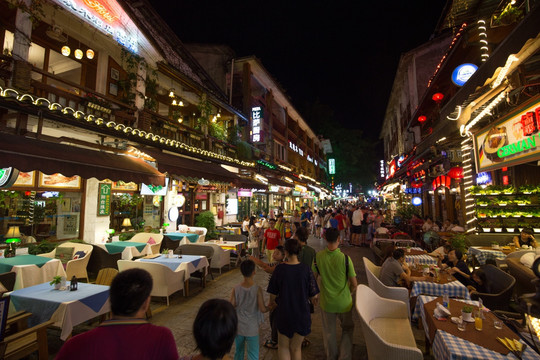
x: 340, y: 53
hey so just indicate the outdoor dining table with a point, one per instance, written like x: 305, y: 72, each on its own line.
x: 177, y: 236
x: 418, y: 256
x: 129, y: 249
x: 66, y: 308
x: 450, y: 343
x: 31, y: 269
x: 233, y: 246
x: 437, y: 288
x: 482, y: 253
x: 188, y: 263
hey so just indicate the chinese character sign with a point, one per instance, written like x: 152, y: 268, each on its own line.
x: 104, y: 199
x: 256, y: 124
x: 331, y: 166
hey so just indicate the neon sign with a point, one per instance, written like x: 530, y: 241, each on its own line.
x: 256, y: 127
x: 295, y: 148
x: 95, y: 13
x: 462, y: 73
x: 331, y: 166
x: 483, y: 178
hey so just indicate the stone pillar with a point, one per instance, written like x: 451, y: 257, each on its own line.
x: 21, y: 48
x: 95, y: 227
x: 140, y: 91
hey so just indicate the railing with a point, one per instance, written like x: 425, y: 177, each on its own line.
x: 84, y: 99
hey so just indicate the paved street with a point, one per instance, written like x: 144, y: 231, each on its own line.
x: 180, y: 314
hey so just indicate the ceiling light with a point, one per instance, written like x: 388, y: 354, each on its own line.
x: 90, y: 54
x: 78, y: 54
x: 171, y: 92
x: 66, y: 50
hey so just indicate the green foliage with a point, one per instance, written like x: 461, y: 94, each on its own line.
x: 232, y: 134
x: 460, y: 242
x: 41, y: 247
x: 206, y: 219
x: 243, y: 150
x: 131, y: 63
x: 124, y: 236
x: 217, y: 131
x: 56, y: 280
x: 406, y: 211
x: 6, y: 196
x: 467, y: 309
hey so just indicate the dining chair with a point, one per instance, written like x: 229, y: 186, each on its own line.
x: 396, y: 293
x: 24, y: 342
x: 386, y: 327
x: 105, y: 276
x: 502, y: 287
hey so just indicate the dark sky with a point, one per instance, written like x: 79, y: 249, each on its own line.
x: 341, y: 53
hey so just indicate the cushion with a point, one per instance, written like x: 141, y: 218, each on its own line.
x: 79, y: 254
x: 64, y: 254
x: 200, y: 232
x: 527, y: 259
x: 151, y: 241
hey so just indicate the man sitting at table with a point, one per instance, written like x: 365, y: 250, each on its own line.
x: 395, y: 272
x: 441, y: 252
x: 457, y: 267
x: 127, y: 335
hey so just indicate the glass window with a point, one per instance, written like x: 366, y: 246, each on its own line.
x: 36, y: 55
x: 64, y: 68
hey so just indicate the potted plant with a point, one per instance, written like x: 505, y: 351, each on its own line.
x: 509, y: 189
x: 57, y: 282
x: 164, y: 227
x: 482, y: 201
x: 502, y: 200
x: 466, y: 313
x: 527, y: 189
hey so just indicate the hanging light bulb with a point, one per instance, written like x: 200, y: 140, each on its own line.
x: 78, y: 54
x: 66, y: 50
x: 180, y: 120
x: 90, y: 54
x: 214, y: 119
x: 171, y: 93
x: 219, y: 113
x: 174, y: 102
x: 180, y: 103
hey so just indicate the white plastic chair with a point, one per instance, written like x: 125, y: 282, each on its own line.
x: 386, y: 327
x: 144, y: 237
x: 76, y: 267
x: 396, y: 293
x: 165, y: 281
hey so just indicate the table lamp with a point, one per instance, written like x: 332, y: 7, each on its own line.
x: 111, y: 233
x: 126, y: 223
x: 13, y: 236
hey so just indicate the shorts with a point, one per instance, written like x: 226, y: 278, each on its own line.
x: 356, y: 229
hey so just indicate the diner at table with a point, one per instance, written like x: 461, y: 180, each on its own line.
x: 525, y: 238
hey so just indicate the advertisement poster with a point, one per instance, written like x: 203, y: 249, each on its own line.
x: 25, y: 179
x: 512, y: 140
x: 59, y: 181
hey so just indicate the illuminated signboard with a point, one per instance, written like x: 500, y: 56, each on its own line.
x: 331, y: 166
x: 244, y: 193
x: 392, y: 168
x: 295, y: 148
x: 101, y: 16
x: 416, y: 201
x: 256, y: 124
x: 483, y: 178
x: 8, y: 176
x: 382, y: 169
x: 462, y: 73
x: 511, y: 140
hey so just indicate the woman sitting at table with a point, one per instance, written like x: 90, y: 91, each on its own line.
x: 525, y: 238
x: 395, y: 272
x: 457, y: 267
x: 442, y: 251
x: 479, y: 282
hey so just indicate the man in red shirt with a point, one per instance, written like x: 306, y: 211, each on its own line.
x: 341, y: 226
x: 128, y: 335
x: 271, y: 238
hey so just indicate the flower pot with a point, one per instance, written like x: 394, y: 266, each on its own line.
x: 467, y: 316
x: 497, y: 229
x: 486, y: 229
x: 536, y: 230
x: 57, y: 286
x: 510, y: 230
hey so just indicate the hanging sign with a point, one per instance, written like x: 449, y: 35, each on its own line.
x: 8, y: 176
x: 104, y: 199
x: 512, y: 140
x: 331, y: 166
x: 256, y: 124
x: 463, y: 73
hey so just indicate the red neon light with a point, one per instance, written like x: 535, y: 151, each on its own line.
x: 505, y: 180
x: 504, y: 169
x: 101, y: 10
x: 422, y: 118
x: 437, y: 97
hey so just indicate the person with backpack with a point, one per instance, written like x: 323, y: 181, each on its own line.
x: 337, y: 285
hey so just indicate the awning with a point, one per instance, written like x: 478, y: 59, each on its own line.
x: 185, y: 167
x: 27, y: 154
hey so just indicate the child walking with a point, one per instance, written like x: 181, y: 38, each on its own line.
x: 247, y: 298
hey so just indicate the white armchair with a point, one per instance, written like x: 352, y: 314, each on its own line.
x: 386, y: 327
x: 396, y: 293
x: 165, y: 281
x: 220, y: 258
x: 144, y: 237
x: 75, y: 267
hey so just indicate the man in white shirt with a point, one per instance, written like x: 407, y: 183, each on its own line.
x: 356, y: 226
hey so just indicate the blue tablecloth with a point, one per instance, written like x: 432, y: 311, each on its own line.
x: 175, y: 262
x: 177, y: 236
x: 42, y: 300
x: 455, y: 289
x: 6, y: 264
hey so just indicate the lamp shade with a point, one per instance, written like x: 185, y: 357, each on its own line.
x: 456, y: 172
x: 13, y: 232
x: 126, y: 222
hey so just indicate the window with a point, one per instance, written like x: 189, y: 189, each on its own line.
x: 64, y: 68
x: 280, y: 151
x: 36, y: 55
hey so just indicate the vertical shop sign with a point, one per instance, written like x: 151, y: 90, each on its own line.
x: 256, y: 127
x: 104, y: 199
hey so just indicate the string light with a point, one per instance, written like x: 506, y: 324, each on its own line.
x: 484, y: 49
x: 454, y: 41
x: 504, y: 71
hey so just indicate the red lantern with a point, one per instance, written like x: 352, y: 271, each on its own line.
x: 456, y: 172
x: 422, y: 118
x: 437, y: 97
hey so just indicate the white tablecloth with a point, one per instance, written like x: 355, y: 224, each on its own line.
x: 30, y: 275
